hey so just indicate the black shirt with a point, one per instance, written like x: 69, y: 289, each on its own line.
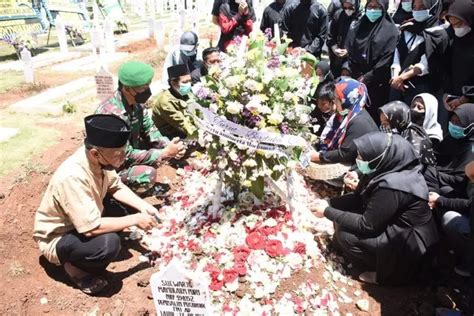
x: 271, y: 16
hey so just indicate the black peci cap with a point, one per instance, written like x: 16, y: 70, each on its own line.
x: 178, y: 71
x: 106, y: 130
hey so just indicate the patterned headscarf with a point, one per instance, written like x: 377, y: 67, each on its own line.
x: 353, y: 95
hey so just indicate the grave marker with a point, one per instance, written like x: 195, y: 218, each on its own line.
x: 151, y: 27
x: 61, y: 30
x: 104, y: 81
x: 28, y: 72
x: 175, y: 293
x: 159, y: 34
x: 109, y: 36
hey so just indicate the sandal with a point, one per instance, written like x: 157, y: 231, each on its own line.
x: 368, y: 277
x: 90, y: 284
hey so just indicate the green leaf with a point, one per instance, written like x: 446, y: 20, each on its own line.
x: 258, y: 187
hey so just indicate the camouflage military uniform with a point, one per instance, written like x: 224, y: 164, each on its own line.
x: 143, y: 149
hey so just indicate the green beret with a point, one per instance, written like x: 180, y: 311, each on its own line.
x: 135, y: 74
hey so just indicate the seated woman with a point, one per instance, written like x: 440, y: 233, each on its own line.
x: 395, y: 117
x: 424, y: 112
x: 323, y: 71
x: 349, y: 122
x: 386, y: 225
x: 323, y: 110
x: 456, y: 151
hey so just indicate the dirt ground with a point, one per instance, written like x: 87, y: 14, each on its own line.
x: 31, y: 286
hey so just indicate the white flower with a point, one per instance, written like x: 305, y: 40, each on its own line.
x: 294, y: 260
x: 249, y: 163
x: 278, y: 168
x: 213, y: 107
x: 275, y: 118
x: 270, y: 222
x: 288, y: 96
x: 224, y: 93
x: 232, y: 82
x: 233, y: 286
x: 233, y: 155
x: 304, y: 118
x: 234, y: 107
x: 222, y: 163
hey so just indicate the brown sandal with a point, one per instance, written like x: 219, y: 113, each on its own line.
x: 90, y: 284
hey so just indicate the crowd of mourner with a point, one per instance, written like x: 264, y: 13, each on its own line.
x: 395, y: 101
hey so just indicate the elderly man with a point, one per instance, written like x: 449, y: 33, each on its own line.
x: 169, y: 107
x: 74, y: 226
x: 147, y: 146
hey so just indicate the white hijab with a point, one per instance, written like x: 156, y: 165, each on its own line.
x: 430, y: 124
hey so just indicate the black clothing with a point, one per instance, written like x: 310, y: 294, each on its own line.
x: 320, y: 119
x: 401, y: 15
x: 462, y: 206
x: 197, y: 73
x: 360, y: 125
x: 371, y: 47
x: 460, y: 53
x: 389, y: 229
x: 306, y: 24
x: 271, y: 16
x: 337, y: 35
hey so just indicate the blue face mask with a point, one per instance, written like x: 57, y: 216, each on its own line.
x: 184, y: 89
x: 456, y: 132
x: 421, y: 16
x: 373, y: 14
x: 406, y: 6
x: 189, y: 53
x: 364, y: 165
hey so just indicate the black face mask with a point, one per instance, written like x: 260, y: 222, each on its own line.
x: 107, y: 167
x: 142, y: 97
x: 417, y: 117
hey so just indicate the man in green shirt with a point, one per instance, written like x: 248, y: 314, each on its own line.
x: 169, y: 107
x: 147, y: 146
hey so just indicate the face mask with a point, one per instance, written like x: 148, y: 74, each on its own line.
x: 349, y: 12
x: 456, y: 132
x: 364, y: 165
x: 189, y: 53
x: 406, y: 6
x: 461, y: 31
x: 373, y: 14
x: 421, y: 16
x: 184, y: 89
x: 417, y: 117
x: 142, y: 97
x: 343, y: 112
x: 108, y: 166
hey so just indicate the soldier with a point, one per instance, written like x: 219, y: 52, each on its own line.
x: 147, y: 146
x: 169, y: 107
x: 74, y: 226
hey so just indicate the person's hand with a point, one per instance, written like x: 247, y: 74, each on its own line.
x: 453, y: 104
x: 397, y: 83
x: 149, y: 209
x: 315, y: 156
x: 319, y: 207
x: 145, y: 221
x: 361, y: 79
x: 340, y: 52
x: 175, y: 149
x: 243, y: 8
x: 351, y: 180
x: 433, y: 199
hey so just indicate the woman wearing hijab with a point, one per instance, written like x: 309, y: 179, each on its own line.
x: 395, y: 117
x: 337, y: 34
x: 235, y: 18
x: 371, y: 44
x: 323, y: 71
x: 456, y: 151
x: 386, y: 225
x: 460, y: 52
x: 424, y: 112
x: 403, y: 13
x: 349, y: 122
x: 419, y: 52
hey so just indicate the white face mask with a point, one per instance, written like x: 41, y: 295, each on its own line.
x: 349, y: 12
x: 462, y: 31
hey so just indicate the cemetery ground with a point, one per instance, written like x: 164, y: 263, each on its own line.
x: 31, y: 286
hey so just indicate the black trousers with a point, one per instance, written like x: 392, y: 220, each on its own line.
x: 92, y: 254
x: 360, y: 251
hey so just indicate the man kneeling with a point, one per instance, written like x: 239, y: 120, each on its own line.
x: 72, y: 226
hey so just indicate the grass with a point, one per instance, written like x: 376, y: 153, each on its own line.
x: 9, y: 80
x: 16, y: 269
x: 29, y: 142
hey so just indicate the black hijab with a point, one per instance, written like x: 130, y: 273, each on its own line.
x: 399, y: 169
x: 399, y: 116
x: 401, y: 16
x: 463, y: 10
x: 368, y: 41
x: 326, y: 70
x: 435, y: 7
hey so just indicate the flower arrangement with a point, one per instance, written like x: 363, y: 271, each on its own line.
x: 248, y: 257
x: 261, y: 88
x: 19, y: 42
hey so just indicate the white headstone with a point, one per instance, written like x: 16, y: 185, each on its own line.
x: 27, y: 65
x: 159, y: 34
x: 97, y: 37
x: 151, y: 27
x: 104, y: 81
x: 182, y: 19
x: 174, y: 38
x: 109, y: 36
x: 175, y: 293
x: 61, y: 30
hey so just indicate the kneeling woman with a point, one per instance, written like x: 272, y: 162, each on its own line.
x: 386, y: 226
